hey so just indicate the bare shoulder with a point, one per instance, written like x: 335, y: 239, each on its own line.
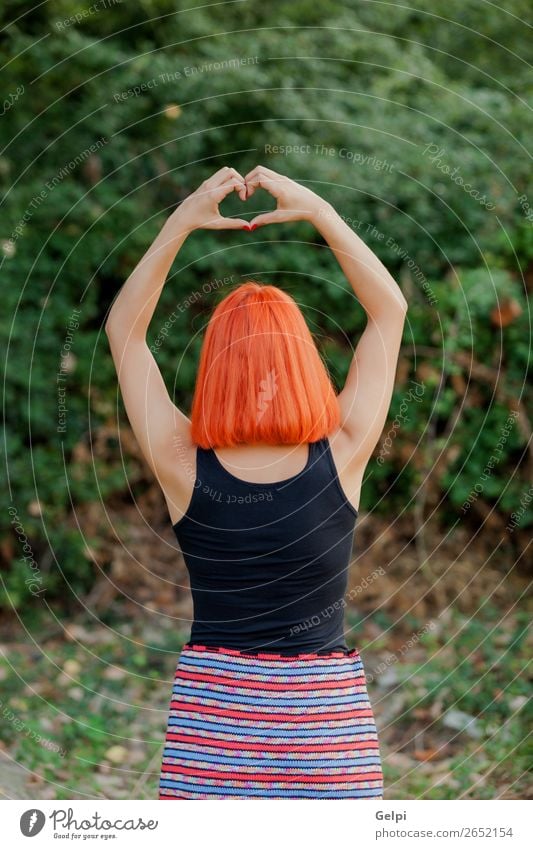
x: 350, y: 468
x: 179, y: 475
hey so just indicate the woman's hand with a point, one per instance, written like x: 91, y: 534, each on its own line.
x: 199, y: 211
x: 295, y: 202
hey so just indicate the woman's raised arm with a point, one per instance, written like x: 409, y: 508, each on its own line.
x: 134, y: 306
x: 366, y: 395
x: 155, y: 420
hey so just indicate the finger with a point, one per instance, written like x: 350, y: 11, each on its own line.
x: 222, y: 175
x: 259, y: 169
x: 232, y: 185
x: 273, y: 217
x: 252, y: 180
x: 261, y: 181
x: 265, y: 172
x: 218, y: 193
x: 230, y: 224
x: 268, y: 172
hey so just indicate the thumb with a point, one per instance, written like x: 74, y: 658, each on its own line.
x: 265, y: 218
x: 231, y: 223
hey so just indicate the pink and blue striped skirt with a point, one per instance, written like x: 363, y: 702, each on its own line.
x: 268, y: 726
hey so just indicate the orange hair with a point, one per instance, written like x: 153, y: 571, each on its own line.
x: 260, y: 376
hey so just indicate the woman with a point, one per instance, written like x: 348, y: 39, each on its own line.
x: 262, y: 487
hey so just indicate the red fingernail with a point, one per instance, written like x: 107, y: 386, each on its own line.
x: 254, y: 226
x: 247, y: 227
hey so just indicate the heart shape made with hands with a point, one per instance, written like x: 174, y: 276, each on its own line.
x: 294, y: 202
x: 249, y: 189
x: 260, y: 179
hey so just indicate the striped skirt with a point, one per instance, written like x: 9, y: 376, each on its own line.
x: 267, y: 726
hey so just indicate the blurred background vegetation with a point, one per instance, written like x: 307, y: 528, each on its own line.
x: 412, y: 122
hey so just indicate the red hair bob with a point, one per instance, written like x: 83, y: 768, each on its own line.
x: 260, y: 376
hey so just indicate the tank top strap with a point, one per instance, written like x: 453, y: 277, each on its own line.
x: 206, y: 466
x: 332, y: 471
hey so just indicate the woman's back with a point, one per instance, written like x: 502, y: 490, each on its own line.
x: 268, y: 562
x: 255, y: 712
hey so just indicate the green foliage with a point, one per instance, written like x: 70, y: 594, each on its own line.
x: 391, y: 115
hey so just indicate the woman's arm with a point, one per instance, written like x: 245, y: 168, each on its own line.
x: 366, y: 396
x: 377, y: 292
x: 136, y: 302
x: 156, y: 422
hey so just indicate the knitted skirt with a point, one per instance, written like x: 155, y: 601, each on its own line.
x: 268, y: 726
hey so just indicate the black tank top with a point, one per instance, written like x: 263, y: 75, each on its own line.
x: 268, y: 563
